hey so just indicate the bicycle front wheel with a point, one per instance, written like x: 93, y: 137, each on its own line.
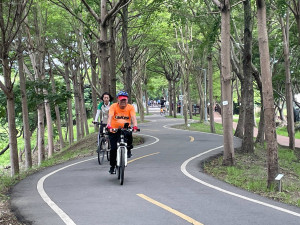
x: 122, y: 166
x: 101, y: 152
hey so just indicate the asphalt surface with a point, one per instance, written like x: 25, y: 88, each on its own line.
x: 163, y: 185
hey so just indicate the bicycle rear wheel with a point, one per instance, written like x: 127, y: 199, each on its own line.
x: 101, y: 152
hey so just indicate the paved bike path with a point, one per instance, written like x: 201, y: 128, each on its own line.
x: 166, y: 174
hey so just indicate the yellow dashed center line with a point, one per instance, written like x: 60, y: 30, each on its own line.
x: 143, y: 157
x: 165, y: 207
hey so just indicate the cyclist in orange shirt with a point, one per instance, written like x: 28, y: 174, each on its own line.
x: 120, y: 113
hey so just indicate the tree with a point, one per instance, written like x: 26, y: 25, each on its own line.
x: 187, y: 52
x: 36, y: 47
x: 288, y: 82
x: 10, y: 13
x: 269, y: 113
x: 103, y: 21
x: 247, y: 144
x: 26, y: 127
x: 211, y: 100
x: 228, y: 157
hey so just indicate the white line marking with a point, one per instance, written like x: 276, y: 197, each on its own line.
x: 40, y: 187
x: 183, y: 169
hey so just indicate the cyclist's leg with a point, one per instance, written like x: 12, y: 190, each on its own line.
x: 113, y: 138
x: 129, y: 140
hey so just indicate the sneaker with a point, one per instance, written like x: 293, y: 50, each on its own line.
x: 129, y: 154
x: 112, y: 170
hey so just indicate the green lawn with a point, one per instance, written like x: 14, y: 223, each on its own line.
x: 279, y: 130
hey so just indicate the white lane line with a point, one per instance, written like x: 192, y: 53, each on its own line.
x: 40, y: 186
x: 183, y: 169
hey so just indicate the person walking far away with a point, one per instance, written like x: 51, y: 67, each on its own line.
x: 103, y: 109
x: 119, y: 114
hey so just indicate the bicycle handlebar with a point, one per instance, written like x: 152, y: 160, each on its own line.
x: 98, y: 123
x: 124, y: 129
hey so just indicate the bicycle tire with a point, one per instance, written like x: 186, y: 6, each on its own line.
x: 122, y: 166
x: 108, y: 150
x: 118, y: 172
x: 101, y: 152
x: 119, y: 166
x: 108, y: 155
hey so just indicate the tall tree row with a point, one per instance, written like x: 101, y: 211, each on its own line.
x: 110, y: 45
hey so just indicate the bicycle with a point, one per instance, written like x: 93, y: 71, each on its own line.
x: 122, y: 151
x: 103, y: 144
x: 163, y: 111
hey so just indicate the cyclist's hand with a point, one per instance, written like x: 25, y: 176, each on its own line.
x: 109, y: 128
x: 135, y: 129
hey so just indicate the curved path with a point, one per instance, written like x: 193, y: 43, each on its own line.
x: 163, y: 185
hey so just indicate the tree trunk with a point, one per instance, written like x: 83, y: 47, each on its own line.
x: 13, y: 145
x: 69, y: 103
x: 11, y: 116
x: 185, y: 77
x: 93, y: 59
x: 211, y: 100
x: 25, y: 115
x: 174, y: 100
x: 112, y: 59
x: 41, y: 134
x: 103, y: 49
x: 247, y: 144
x: 190, y: 105
x: 239, y: 131
x: 288, y: 83
x: 49, y: 126
x: 261, y: 127
x: 126, y: 54
x: 270, y: 128
x: 57, y: 113
x: 84, y: 126
x: 200, y: 93
x: 49, y: 121
x: 228, y: 157
x: 77, y: 104
x: 139, y: 92
x: 170, y: 93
